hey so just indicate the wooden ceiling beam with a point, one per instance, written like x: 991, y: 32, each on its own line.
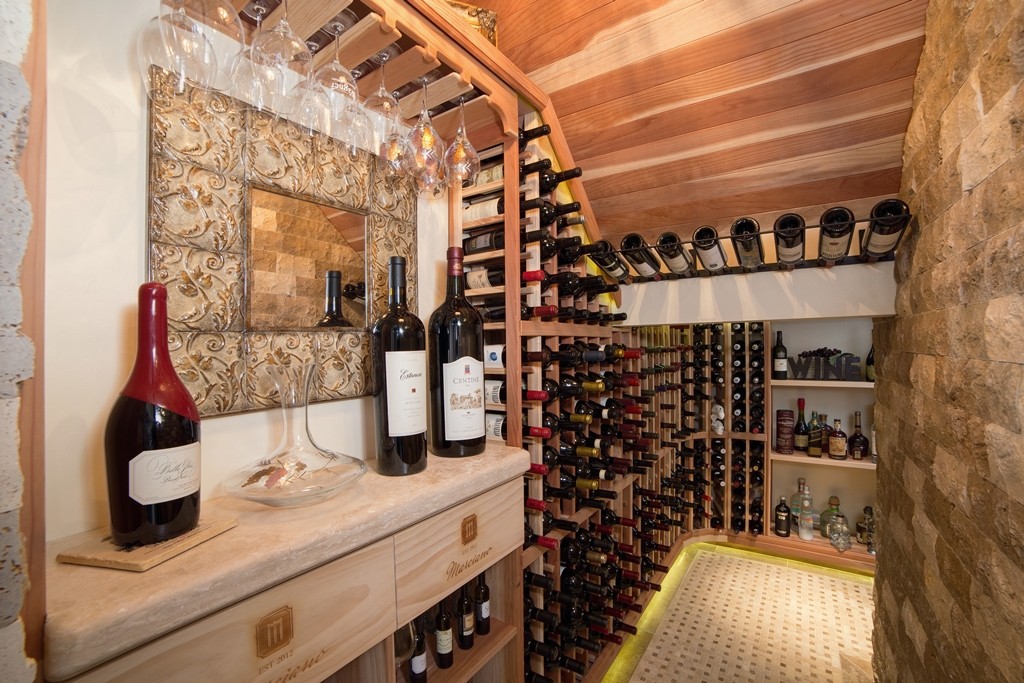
x: 306, y: 18
x: 368, y: 37
x: 440, y: 91
x: 405, y: 68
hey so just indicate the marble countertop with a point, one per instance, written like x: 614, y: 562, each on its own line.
x: 95, y: 614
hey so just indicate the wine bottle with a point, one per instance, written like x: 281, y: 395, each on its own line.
x: 399, y: 366
x: 780, y: 358
x: 151, y: 441
x: 418, y: 662
x: 889, y: 218
x: 746, y: 240
x: 637, y: 252
x: 571, y: 254
x: 456, y: 370
x: 608, y: 261
x: 496, y: 392
x: 332, y: 302
x: 549, y: 179
x: 709, y: 248
x: 497, y: 427
x: 494, y: 207
x: 869, y: 365
x: 533, y: 167
x: 478, y: 278
x: 800, y: 430
x: 482, y: 605
x: 465, y: 618
x: 527, y: 134
x: 674, y: 255
x: 444, y: 655
x: 495, y: 355
x: 836, y: 234
x: 789, y: 239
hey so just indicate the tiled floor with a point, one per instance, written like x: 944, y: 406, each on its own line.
x: 726, y: 615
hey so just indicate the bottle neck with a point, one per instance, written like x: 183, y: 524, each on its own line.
x: 396, y: 290
x: 332, y: 297
x: 456, y: 284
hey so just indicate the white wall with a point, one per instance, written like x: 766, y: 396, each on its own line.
x: 95, y: 261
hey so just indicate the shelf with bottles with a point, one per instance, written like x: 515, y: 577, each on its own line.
x: 804, y: 459
x: 467, y: 663
x: 819, y: 550
x: 821, y: 384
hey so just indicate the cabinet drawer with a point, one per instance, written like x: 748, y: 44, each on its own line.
x: 439, y: 554
x: 301, y: 630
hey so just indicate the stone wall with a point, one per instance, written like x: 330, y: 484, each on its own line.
x: 16, y: 351
x: 949, y: 590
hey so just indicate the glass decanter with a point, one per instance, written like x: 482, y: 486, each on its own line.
x: 298, y: 472
x: 839, y: 532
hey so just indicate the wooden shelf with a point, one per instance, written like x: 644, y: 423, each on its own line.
x: 820, y: 384
x: 486, y: 291
x: 537, y: 328
x: 467, y: 663
x: 486, y: 188
x: 828, y: 462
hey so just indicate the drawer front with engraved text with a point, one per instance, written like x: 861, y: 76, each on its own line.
x: 439, y: 554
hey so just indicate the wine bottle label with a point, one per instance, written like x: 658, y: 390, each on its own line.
x: 165, y: 474
x: 494, y: 355
x: 491, y: 174
x: 467, y: 623
x: 481, y: 210
x: 405, y: 373
x: 484, y: 609
x: 495, y: 423
x: 837, y: 446
x: 444, y: 641
x: 464, y: 399
x: 477, y: 279
x: 780, y: 365
x: 492, y: 391
x: 800, y: 441
x: 833, y: 248
x: 486, y: 241
x: 712, y: 258
x: 881, y: 244
x: 789, y: 254
x: 644, y: 268
x: 677, y: 264
x: 418, y: 663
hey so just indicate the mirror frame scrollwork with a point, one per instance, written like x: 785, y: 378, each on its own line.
x: 206, y: 152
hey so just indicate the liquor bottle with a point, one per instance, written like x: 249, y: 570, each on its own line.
x: 869, y: 365
x: 859, y: 447
x: 637, y: 252
x: 746, y: 240
x: 709, y: 249
x: 673, y: 254
x: 814, y: 436
x: 806, y: 526
x: 608, y: 261
x: 826, y: 433
x: 789, y: 239
x: 796, y: 501
x: 153, y: 423
x: 827, y: 515
x: 549, y: 179
x: 782, y: 513
x: 444, y: 655
x: 836, y: 233
x: 527, y: 134
x: 800, y: 429
x: 332, y: 302
x: 837, y: 442
x: 455, y: 372
x: 464, y: 615
x: 780, y: 358
x: 889, y: 218
x: 399, y: 359
x: 865, y: 522
x: 418, y: 662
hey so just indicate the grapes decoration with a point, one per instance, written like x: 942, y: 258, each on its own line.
x: 823, y: 352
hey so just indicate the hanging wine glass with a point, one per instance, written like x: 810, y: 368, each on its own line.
x: 150, y: 50
x: 357, y: 129
x: 426, y: 153
x: 461, y: 161
x: 258, y: 84
x: 202, y: 38
x: 335, y: 78
x: 311, y: 107
x: 283, y: 52
x: 393, y: 150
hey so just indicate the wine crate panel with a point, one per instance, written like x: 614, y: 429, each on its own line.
x: 738, y: 619
x: 438, y: 555
x: 301, y: 630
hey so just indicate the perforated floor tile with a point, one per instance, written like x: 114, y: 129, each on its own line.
x: 735, y: 619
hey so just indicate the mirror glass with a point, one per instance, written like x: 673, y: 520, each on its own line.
x: 292, y: 244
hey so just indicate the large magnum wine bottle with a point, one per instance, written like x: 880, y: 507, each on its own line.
x: 151, y: 441
x: 456, y: 370
x: 399, y: 367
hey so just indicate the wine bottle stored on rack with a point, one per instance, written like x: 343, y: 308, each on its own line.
x: 527, y: 134
x: 153, y: 422
x: 549, y: 179
x: 494, y: 207
x: 836, y: 234
x: 399, y: 368
x: 789, y: 239
x: 673, y: 254
x: 746, y: 240
x: 608, y: 261
x: 889, y: 218
x: 709, y: 248
x: 455, y: 372
x: 640, y: 255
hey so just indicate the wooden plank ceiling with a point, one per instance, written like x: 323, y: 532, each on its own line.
x: 691, y: 112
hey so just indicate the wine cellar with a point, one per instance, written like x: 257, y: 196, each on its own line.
x: 719, y: 298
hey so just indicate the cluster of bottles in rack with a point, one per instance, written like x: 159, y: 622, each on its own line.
x: 817, y: 438
x: 831, y: 523
x: 448, y: 630
x: 672, y: 257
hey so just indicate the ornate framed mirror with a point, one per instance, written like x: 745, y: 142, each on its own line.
x: 229, y: 187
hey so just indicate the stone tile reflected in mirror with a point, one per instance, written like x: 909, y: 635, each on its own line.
x: 293, y: 244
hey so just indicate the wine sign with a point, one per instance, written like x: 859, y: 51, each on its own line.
x: 844, y: 368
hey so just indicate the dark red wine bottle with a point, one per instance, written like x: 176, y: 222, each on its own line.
x: 455, y: 370
x: 549, y: 179
x: 332, y: 302
x: 399, y: 368
x: 151, y: 441
x: 443, y: 657
x: 465, y: 616
x: 482, y: 605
